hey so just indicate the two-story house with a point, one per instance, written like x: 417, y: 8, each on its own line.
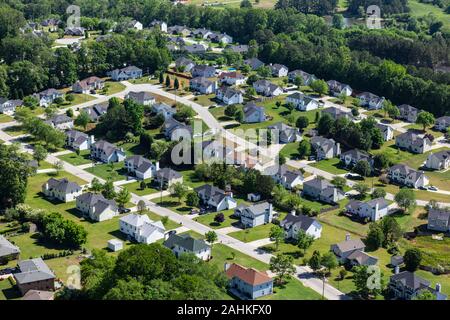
x: 248, y: 283
x: 77, y: 140
x: 165, y: 177
x: 203, y: 85
x: 141, y: 167
x: 306, y: 78
x: 254, y: 113
x: 408, y: 113
x: 293, y: 223
x: 141, y: 97
x: 106, y: 152
x: 352, y: 252
x: 215, y: 198
x: 141, y: 228
x: 186, y: 244
x: 337, y: 88
x: 413, y: 142
x: 63, y: 189
x: 254, y: 215
x: 279, y: 70
x: 127, y: 73
x: 229, y: 95
x: 438, y: 160
x: 442, y: 123
x: 9, y: 106
x: 406, y: 285
x: 232, y: 78
x: 439, y: 219
x: 370, y: 101
x: 96, y: 207
x: 322, y: 190
x: 403, y: 175
x: 267, y: 88
x: 34, y: 274
x: 204, y: 71
x: 61, y: 122
x: 87, y: 85
x: 302, y: 102
x: 325, y: 148
x: 373, y: 210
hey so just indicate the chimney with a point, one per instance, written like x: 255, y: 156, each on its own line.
x: 347, y: 237
x: 270, y: 208
x: 293, y: 212
x: 226, y: 266
x: 397, y: 270
x: 157, y: 166
x: 91, y: 140
x: 438, y: 287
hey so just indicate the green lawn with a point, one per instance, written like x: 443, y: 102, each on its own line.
x: 290, y: 150
x: 106, y: 171
x: 190, y: 179
x: 5, y: 118
x: 14, y: 130
x: 221, y: 254
x: 208, y: 219
x: 418, y: 128
x: 293, y: 290
x: 252, y: 234
x: 76, y: 159
x: 173, y: 204
x: 205, y: 100
x: 79, y: 98
x: 112, y: 87
x: 135, y: 187
x: 330, y: 165
x: 421, y: 9
x: 8, y: 291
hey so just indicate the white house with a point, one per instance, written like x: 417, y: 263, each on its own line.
x: 370, y: 100
x: 386, y: 130
x: 286, y: 134
x: 337, y: 88
x: 77, y: 140
x: 406, y: 176
x: 254, y: 113
x: 63, y: 189
x: 374, y: 209
x: 292, y: 225
x: 279, y: 70
x: 141, y: 167
x: 216, y: 198
x: 255, y: 215
x: 229, y: 95
x: 141, y: 228
x: 141, y: 97
x: 134, y: 24
x: 438, y: 160
x: 232, y: 78
x: 302, y: 102
x: 266, y: 88
x: 47, y: 97
x: 164, y: 109
x: 286, y: 177
x: 60, y: 122
x: 442, y: 123
x: 127, y: 73
x: 325, y: 148
x: 185, y: 244
x: 96, y: 206
x: 413, y: 142
x: 115, y: 245
x: 107, y: 152
x: 203, y: 85
x: 9, y: 106
x: 161, y: 25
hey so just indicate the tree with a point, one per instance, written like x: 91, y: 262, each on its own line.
x: 339, y: 182
x: 304, y: 240
x: 168, y: 81
x: 159, y: 147
x: 325, y: 124
x: 425, y: 295
x: 338, y: 21
x: 362, y: 168
x: 239, y: 116
x: 108, y: 190
x: 378, y: 193
x: 355, y: 112
x: 231, y: 110
x: 123, y: 197
x: 219, y: 218
x: 391, y: 230
x: 141, y: 206
x: 361, y: 279
x: 362, y: 189
x: 82, y: 120
x: 304, y: 149
x: 39, y: 153
x: 283, y: 266
x: 406, y: 199
x: 381, y: 161
x: 314, y: 261
x: 178, y: 190
x: 426, y: 119
x: 320, y: 86
x: 412, y: 259
x: 96, y: 186
x: 302, y: 122
x: 298, y: 81
x: 246, y: 4
x: 161, y: 77
x: 211, y: 237
x: 375, y: 236
x: 192, y: 199
x: 277, y: 234
x: 176, y: 84
x: 329, y: 261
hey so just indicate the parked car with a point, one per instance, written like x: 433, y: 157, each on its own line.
x: 432, y: 188
x: 124, y: 210
x: 422, y: 188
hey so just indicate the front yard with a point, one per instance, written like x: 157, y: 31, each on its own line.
x: 329, y: 165
x: 75, y: 159
x: 107, y: 171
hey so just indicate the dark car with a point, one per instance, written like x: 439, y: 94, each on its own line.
x: 124, y: 210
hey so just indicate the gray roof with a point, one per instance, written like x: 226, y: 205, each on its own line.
x: 438, y: 214
x: 407, y: 171
x: 201, y: 68
x: 33, y: 270
x: 98, y: 201
x: 187, y: 242
x: 140, y: 96
x: 414, y: 138
x: 211, y: 192
x: 201, y: 81
x: 195, y: 48
x: 349, y: 245
x: 254, y: 63
x: 383, y: 127
x: 337, y: 113
x: 242, y: 48
x: 410, y: 280
x: 441, y: 155
x: 59, y: 119
x: 285, y: 131
x: 362, y: 258
x: 136, y: 220
x: 63, y: 185
x: 183, y: 61
x: 7, y: 248
x: 140, y: 162
x: 96, y: 111
x: 357, y: 155
x: 336, y: 85
x: 49, y: 92
x: 277, y: 67
x: 323, y: 143
x: 77, y: 136
x: 171, y: 125
x: 106, y: 147
x: 406, y: 108
x: 301, y: 221
x: 297, y: 95
x: 251, y: 108
x: 229, y: 92
x: 168, y: 174
x: 320, y: 184
x: 301, y: 73
x: 255, y: 210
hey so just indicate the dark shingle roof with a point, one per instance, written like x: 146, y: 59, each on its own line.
x: 185, y: 241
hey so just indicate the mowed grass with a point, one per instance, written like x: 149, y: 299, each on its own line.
x: 419, y: 9
x: 112, y: 87
x: 75, y: 159
x: 8, y: 291
x: 135, y: 187
x: 208, y: 219
x: 293, y: 290
x: 330, y: 165
x: 4, y: 118
x: 107, y: 171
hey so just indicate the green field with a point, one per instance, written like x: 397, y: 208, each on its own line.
x: 75, y: 159
x: 330, y: 165
x: 107, y: 171
x: 5, y: 118
x: 421, y: 9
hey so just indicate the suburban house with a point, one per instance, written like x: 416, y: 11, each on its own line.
x: 386, y: 131
x: 229, y: 95
x: 325, y: 148
x: 442, y: 123
x: 337, y: 113
x: 107, y: 152
x: 201, y: 33
x: 233, y: 78
x: 185, y: 244
x: 174, y: 130
x: 289, y: 179
x: 161, y: 25
x: 60, y: 122
x: 51, y: 24
x: 292, y: 225
x: 182, y: 30
x: 97, y: 207
x: 254, y: 63
x: 322, y: 190
x: 286, y: 133
x: 254, y: 215
x: 370, y: 101
x: 47, y: 97
x: 8, y: 251
x: 254, y: 113
x: 216, y: 151
x: 34, y: 274
x: 403, y: 175
x: 62, y: 189
x: 302, y: 102
x: 351, y: 157
x: 165, y: 177
x: 279, y: 70
x: 439, y: 160
x: 305, y: 76
x: 203, y: 85
x: 75, y: 31
x: 352, y: 252
x: 184, y: 64
x: 130, y: 72
x: 77, y: 140
x: 439, y: 219
x: 408, y: 113
x: 337, y: 88
x: 141, y: 97
x: 201, y: 70
x: 248, y: 283
x: 96, y: 111
x: 87, y: 85
x: 141, y: 228
x: 195, y: 48
x: 374, y: 209
x: 141, y: 167
x: 9, y: 106
x: 220, y: 38
x: 164, y: 109
x: 215, y: 198
x: 413, y: 142
x: 134, y: 24
x: 406, y: 285
x: 242, y: 48
x: 267, y: 88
